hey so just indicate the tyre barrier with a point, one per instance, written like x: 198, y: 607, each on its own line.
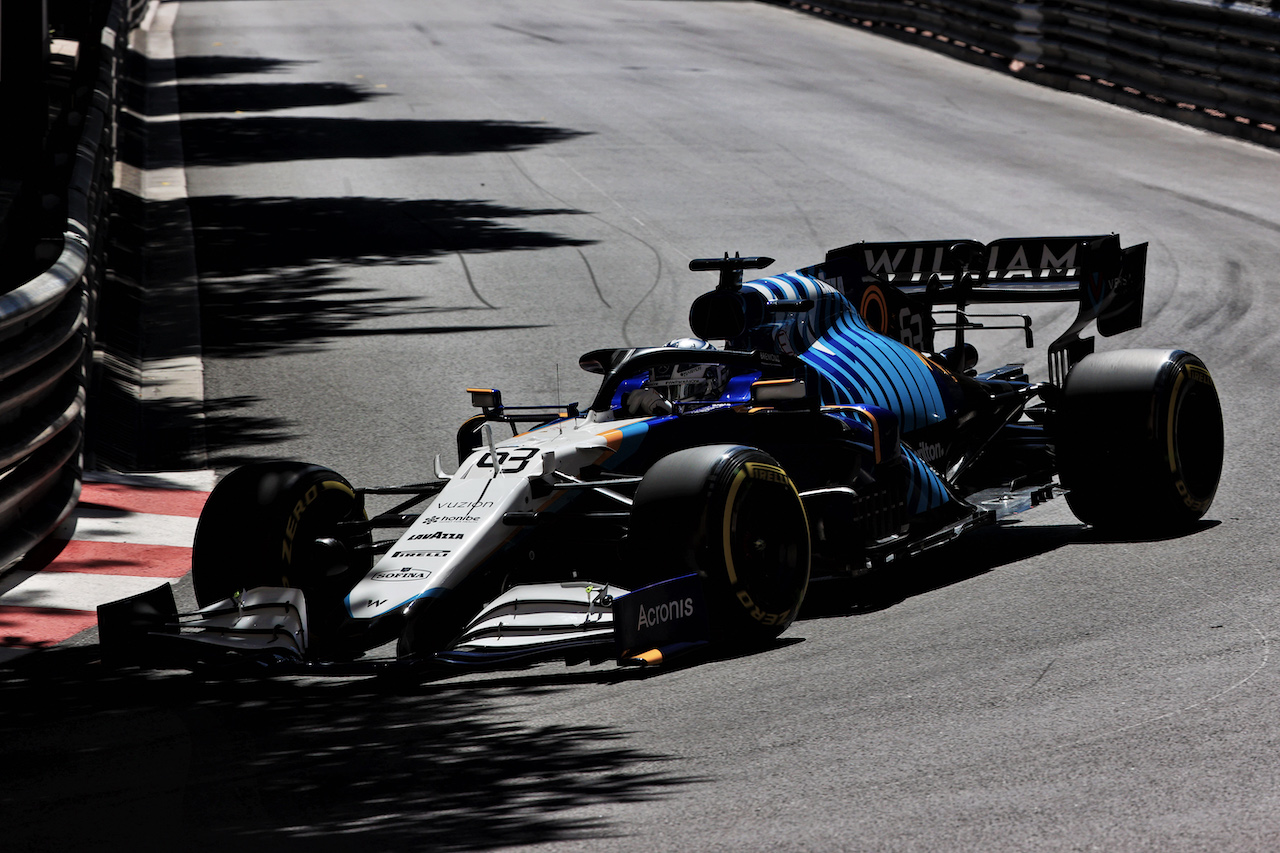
x: 46, y: 324
x: 1212, y: 65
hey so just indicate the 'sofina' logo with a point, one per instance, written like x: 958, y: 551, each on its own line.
x: 401, y: 575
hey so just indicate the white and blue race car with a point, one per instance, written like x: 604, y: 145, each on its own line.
x: 822, y: 435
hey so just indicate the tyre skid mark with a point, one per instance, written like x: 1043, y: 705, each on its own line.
x: 657, y: 278
x: 1208, y: 700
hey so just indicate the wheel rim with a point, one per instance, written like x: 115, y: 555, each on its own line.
x: 764, y: 536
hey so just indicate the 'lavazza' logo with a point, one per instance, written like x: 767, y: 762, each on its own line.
x: 667, y: 612
x: 439, y: 534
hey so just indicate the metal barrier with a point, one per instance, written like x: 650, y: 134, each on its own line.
x: 1215, y: 66
x: 46, y: 325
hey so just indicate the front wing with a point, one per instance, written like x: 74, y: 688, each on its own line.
x: 267, y: 626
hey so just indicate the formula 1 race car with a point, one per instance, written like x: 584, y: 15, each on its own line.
x: 703, y: 486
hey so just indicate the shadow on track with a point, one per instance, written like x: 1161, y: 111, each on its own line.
x: 268, y: 265
x: 219, y: 65
x: 977, y: 553
x: 270, y: 139
x: 238, y: 236
x: 109, y: 759
x: 257, y: 97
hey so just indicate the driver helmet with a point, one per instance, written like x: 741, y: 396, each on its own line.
x: 686, y: 382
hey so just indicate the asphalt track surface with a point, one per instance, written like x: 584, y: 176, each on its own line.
x: 395, y: 200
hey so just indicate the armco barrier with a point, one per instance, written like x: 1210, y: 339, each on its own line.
x: 1216, y: 66
x: 46, y: 327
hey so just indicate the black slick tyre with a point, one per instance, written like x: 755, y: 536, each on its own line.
x: 277, y: 524
x: 1139, y: 440
x: 731, y: 514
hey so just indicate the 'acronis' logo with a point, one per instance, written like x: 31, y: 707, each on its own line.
x: 666, y: 612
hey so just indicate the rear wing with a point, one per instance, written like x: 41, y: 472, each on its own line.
x: 898, y: 286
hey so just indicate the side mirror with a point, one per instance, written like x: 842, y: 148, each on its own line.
x: 770, y: 392
x: 485, y: 398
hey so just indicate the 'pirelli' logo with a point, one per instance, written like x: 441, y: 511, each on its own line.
x: 427, y: 554
x: 769, y: 473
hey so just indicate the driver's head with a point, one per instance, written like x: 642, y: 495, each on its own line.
x: 689, y: 381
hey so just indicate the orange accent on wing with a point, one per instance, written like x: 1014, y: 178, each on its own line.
x: 875, y: 434
x: 875, y: 427
x: 932, y: 365
x: 649, y: 658
x: 613, y: 439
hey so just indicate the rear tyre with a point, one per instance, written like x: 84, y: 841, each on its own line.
x: 1140, y: 440
x: 277, y: 524
x: 731, y: 514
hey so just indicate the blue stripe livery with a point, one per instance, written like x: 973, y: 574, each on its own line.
x: 862, y: 366
x: 857, y: 365
x: 925, y: 489
x: 632, y: 435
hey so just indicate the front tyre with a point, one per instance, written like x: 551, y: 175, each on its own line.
x: 277, y: 524
x: 731, y: 514
x: 1140, y: 440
